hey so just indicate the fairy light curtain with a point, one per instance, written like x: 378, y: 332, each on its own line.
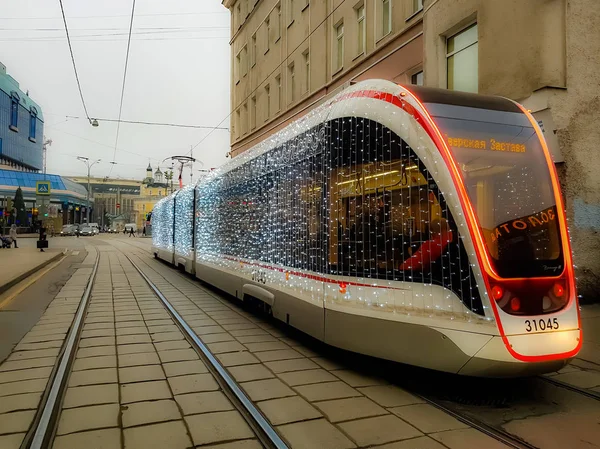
x: 348, y: 198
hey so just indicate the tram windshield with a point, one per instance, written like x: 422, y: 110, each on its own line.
x: 507, y: 179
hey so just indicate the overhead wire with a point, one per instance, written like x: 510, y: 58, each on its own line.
x: 271, y: 73
x: 105, y: 145
x: 137, y: 122
x: 120, y: 15
x: 73, y: 60
x: 84, y: 39
x: 123, y: 86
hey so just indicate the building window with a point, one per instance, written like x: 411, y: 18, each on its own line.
x: 462, y: 60
x: 239, y: 14
x: 279, y: 93
x: 292, y: 72
x: 268, y: 34
x: 268, y: 97
x: 386, y: 17
x: 306, y: 55
x: 238, y: 67
x: 417, y: 5
x: 361, y: 35
x: 238, y: 126
x: 32, y: 123
x: 279, y: 21
x: 417, y: 78
x: 253, y: 51
x: 290, y: 12
x: 245, y: 119
x: 14, y: 111
x: 339, y: 43
x: 253, y: 112
x: 244, y: 61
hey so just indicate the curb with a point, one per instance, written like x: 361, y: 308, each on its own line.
x: 25, y: 275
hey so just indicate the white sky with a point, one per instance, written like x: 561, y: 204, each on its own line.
x: 175, y: 75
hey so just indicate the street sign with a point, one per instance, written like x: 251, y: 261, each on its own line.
x: 42, y: 188
x: 118, y: 205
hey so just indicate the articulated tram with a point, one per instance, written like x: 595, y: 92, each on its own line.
x: 412, y: 224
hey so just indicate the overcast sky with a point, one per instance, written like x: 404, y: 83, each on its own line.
x: 178, y: 73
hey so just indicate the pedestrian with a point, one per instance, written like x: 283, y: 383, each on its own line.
x: 131, y: 232
x: 144, y: 232
x: 13, y: 234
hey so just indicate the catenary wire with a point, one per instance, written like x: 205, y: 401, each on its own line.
x: 120, y: 15
x: 73, y: 59
x: 271, y: 73
x: 84, y: 39
x: 123, y: 86
x: 138, y: 122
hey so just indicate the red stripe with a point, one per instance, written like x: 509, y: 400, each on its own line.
x: 308, y: 275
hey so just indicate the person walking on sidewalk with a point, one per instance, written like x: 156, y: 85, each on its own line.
x: 131, y: 232
x: 13, y: 234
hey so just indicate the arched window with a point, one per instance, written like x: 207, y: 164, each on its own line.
x: 14, y: 111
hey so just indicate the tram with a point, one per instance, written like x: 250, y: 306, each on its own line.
x: 413, y: 224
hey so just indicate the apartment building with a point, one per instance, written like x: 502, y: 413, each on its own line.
x: 288, y: 55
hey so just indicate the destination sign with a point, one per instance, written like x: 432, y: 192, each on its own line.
x: 490, y: 144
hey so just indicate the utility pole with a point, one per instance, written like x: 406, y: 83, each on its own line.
x: 86, y: 160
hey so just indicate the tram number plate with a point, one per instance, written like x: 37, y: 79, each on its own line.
x: 541, y: 325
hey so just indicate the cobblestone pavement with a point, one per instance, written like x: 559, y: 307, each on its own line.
x: 25, y: 373
x: 137, y: 383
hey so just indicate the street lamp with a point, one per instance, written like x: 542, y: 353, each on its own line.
x: 89, y: 165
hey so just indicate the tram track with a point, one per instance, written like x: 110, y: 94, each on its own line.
x: 42, y: 431
x: 494, y: 432
x: 488, y: 406
x: 561, y: 384
x: 257, y: 422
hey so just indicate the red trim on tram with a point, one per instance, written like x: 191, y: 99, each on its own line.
x: 312, y: 277
x: 482, y: 255
x: 472, y: 222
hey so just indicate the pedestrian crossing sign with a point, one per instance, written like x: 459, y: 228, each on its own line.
x: 42, y: 188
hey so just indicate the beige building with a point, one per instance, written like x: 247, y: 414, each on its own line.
x: 287, y: 55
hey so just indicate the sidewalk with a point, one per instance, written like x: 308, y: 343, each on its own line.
x: 18, y: 263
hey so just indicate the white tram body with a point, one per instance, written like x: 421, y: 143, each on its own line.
x: 407, y: 223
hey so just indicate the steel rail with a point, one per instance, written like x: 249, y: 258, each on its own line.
x: 45, y: 421
x: 559, y: 383
x: 493, y: 432
x: 262, y: 428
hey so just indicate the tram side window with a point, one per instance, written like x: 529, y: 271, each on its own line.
x: 386, y: 218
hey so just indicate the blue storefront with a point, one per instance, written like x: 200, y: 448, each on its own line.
x: 66, y: 202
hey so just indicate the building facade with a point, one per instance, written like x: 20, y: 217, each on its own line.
x: 288, y: 55
x: 21, y: 127
x: 120, y: 201
x: 21, y: 159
